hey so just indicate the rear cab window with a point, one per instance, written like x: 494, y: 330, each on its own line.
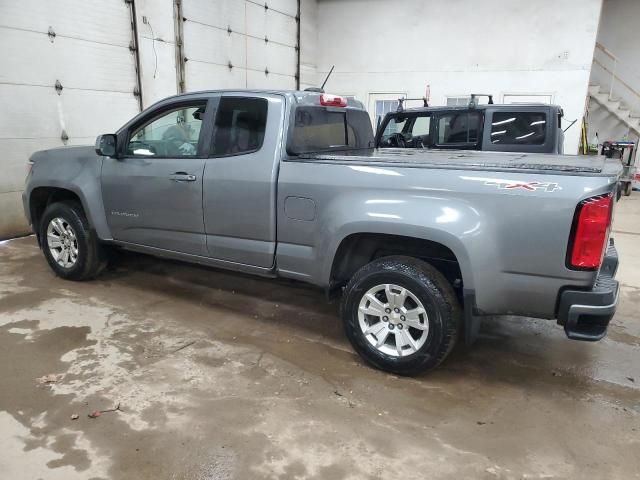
x: 322, y: 129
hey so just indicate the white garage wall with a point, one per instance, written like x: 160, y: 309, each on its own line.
x: 308, y: 43
x: 90, y: 57
x: 157, y: 49
x: 236, y: 43
x: 460, y: 47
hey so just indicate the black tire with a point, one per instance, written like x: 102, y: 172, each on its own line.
x: 91, y: 258
x: 628, y: 188
x: 434, y: 292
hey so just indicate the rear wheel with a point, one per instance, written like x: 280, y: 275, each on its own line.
x: 401, y: 315
x: 70, y: 246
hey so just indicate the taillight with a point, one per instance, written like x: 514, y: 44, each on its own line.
x: 590, y: 232
x: 328, y: 100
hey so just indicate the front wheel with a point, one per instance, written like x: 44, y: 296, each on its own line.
x: 70, y: 246
x: 401, y: 315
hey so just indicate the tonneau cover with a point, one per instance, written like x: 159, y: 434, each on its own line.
x: 473, y: 160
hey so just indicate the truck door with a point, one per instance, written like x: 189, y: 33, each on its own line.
x: 152, y: 193
x: 240, y: 179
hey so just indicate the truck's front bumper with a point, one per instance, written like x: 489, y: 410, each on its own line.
x: 585, y: 314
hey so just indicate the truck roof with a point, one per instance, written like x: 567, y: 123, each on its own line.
x: 303, y: 97
x: 483, y: 106
x: 472, y: 160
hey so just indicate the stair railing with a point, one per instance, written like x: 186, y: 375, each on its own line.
x: 614, y: 77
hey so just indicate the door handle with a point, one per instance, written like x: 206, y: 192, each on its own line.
x: 182, y: 177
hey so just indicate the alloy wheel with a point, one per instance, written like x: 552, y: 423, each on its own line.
x: 393, y: 320
x: 62, y: 242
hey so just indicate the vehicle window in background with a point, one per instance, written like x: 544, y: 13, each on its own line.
x: 318, y: 129
x: 395, y: 125
x: 519, y: 128
x: 421, y: 126
x: 458, y: 128
x: 174, y: 134
x: 239, y: 126
x: 406, y: 131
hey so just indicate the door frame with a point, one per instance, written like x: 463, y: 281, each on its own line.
x: 160, y: 109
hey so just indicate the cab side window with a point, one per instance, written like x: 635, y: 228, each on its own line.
x: 239, y: 126
x: 458, y: 128
x: 173, y: 134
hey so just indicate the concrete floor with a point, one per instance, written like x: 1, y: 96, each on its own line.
x: 222, y: 376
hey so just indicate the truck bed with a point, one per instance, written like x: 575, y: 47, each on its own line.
x: 591, y: 165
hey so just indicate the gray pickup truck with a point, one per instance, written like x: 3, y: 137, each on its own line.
x: 419, y: 244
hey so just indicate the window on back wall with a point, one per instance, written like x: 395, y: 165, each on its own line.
x: 458, y: 101
x: 383, y: 107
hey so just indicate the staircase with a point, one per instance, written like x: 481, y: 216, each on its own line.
x: 614, y: 98
x: 616, y: 107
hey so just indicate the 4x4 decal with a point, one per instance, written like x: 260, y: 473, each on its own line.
x: 529, y: 186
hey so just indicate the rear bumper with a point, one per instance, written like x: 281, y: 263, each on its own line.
x: 585, y: 314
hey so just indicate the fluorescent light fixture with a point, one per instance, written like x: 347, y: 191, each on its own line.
x: 508, y: 120
x: 499, y: 132
x: 537, y: 123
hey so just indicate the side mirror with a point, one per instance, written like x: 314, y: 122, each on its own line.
x: 106, y: 145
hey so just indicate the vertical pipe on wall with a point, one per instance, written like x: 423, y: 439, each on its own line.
x: 299, y: 21
x: 178, y: 19
x: 136, y: 50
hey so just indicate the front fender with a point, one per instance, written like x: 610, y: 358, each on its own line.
x: 76, y: 169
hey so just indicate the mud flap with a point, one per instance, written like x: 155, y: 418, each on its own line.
x: 471, y: 322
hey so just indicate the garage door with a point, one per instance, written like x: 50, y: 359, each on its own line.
x: 84, y: 48
x: 239, y: 44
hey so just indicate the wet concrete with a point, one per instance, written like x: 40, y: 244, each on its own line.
x: 225, y: 376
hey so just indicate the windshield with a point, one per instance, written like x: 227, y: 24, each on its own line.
x: 318, y: 129
x: 407, y: 131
